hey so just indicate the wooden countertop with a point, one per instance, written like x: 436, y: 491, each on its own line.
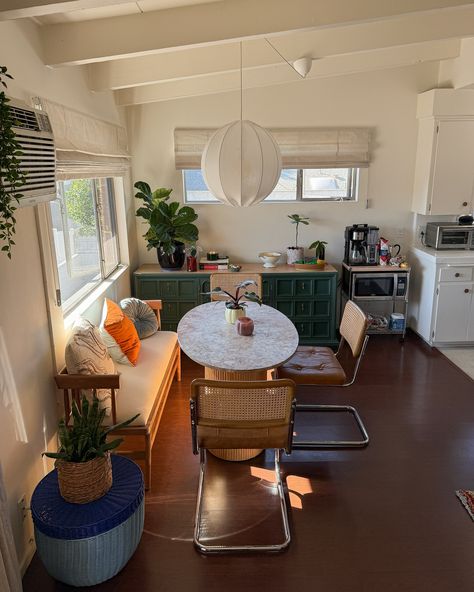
x: 375, y: 268
x: 152, y: 268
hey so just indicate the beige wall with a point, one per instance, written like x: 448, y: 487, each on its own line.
x: 384, y: 101
x: 27, y: 394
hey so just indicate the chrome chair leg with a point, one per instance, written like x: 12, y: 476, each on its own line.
x: 332, y: 444
x: 208, y: 548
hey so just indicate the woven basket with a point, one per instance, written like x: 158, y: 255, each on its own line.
x: 80, y: 483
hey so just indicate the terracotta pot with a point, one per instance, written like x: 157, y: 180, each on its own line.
x: 232, y: 314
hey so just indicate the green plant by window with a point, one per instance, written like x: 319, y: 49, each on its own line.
x: 297, y: 219
x: 11, y: 175
x: 169, y: 224
x: 80, y: 205
x: 87, y: 438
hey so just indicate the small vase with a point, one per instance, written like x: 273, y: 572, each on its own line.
x: 244, y: 326
x: 191, y: 263
x: 294, y: 254
x: 232, y: 314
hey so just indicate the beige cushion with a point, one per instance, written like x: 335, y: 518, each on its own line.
x: 86, y: 353
x: 139, y: 384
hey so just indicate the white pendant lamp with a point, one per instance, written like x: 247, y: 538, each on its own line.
x: 241, y: 162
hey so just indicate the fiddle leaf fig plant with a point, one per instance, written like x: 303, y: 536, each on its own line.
x: 297, y: 219
x: 234, y: 301
x: 11, y: 174
x: 169, y: 224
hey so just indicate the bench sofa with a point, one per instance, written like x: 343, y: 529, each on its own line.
x: 136, y: 389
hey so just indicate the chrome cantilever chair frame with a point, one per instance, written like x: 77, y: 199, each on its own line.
x: 269, y: 548
x: 336, y: 444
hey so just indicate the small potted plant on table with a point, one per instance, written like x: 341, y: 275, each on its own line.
x: 296, y: 253
x: 83, y: 459
x: 234, y: 306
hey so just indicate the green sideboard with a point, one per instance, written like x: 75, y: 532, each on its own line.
x: 307, y: 298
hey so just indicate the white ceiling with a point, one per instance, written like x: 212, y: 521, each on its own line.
x: 137, y: 7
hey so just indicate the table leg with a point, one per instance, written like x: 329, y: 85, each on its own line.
x: 212, y: 374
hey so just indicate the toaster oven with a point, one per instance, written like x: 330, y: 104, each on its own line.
x: 445, y: 235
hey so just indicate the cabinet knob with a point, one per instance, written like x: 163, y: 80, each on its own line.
x: 464, y: 204
x: 466, y: 290
x: 457, y: 274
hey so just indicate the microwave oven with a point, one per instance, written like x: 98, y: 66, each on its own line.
x: 379, y: 286
x: 445, y: 235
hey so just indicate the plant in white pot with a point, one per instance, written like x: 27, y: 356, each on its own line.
x: 83, y: 459
x: 235, y: 306
x: 296, y: 253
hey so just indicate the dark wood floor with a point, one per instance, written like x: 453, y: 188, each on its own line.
x: 383, y: 519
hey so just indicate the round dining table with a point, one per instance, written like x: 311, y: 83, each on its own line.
x: 207, y: 338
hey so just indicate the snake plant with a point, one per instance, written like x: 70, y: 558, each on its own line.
x: 87, y: 438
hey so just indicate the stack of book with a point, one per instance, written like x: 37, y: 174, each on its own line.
x: 217, y: 264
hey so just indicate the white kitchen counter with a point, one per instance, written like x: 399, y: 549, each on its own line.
x: 448, y: 257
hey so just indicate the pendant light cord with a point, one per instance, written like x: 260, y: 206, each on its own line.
x: 241, y: 117
x: 241, y: 83
x: 283, y: 57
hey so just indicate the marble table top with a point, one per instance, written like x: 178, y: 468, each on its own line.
x: 205, y: 336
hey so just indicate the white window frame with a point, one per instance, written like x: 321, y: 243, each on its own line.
x: 357, y: 179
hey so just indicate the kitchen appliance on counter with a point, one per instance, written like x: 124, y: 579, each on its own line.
x: 449, y: 235
x: 361, y: 245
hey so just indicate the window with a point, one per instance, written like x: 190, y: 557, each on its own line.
x: 85, y: 236
x: 322, y: 184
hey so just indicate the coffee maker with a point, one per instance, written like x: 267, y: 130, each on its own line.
x: 361, y: 245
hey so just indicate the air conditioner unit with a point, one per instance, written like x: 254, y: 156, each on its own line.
x: 38, y: 160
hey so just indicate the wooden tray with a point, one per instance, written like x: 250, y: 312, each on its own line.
x: 310, y: 266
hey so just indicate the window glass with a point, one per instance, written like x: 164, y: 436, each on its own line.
x: 327, y: 183
x: 85, y: 236
x: 293, y: 185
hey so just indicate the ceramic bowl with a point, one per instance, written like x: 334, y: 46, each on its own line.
x: 269, y: 258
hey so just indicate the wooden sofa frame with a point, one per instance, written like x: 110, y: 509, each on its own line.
x: 72, y: 384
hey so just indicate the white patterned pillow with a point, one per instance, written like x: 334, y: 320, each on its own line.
x: 142, y: 316
x: 86, y: 353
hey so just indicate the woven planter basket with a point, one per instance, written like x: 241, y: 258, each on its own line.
x: 80, y: 483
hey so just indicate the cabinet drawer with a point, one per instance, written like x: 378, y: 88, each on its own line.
x: 455, y: 274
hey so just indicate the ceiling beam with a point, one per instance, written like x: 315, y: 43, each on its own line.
x: 14, y: 9
x: 392, y: 57
x: 204, y: 24
x: 190, y: 63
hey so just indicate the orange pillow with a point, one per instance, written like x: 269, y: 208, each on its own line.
x: 119, y: 332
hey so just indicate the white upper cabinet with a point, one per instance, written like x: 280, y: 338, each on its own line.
x: 444, y: 170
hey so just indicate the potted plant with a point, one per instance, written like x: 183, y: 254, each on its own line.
x: 296, y: 253
x: 170, y: 225
x: 319, y: 251
x: 83, y: 459
x: 234, y: 307
x: 11, y: 174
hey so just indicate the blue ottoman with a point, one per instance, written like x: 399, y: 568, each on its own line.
x: 85, y: 544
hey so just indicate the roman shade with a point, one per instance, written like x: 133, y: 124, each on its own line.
x: 303, y: 148
x: 86, y: 147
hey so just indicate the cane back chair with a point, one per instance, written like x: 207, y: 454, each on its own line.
x: 236, y: 415
x: 228, y: 280
x: 320, y: 366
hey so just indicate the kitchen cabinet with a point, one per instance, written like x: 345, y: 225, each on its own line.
x: 441, y: 307
x: 444, y: 169
x: 308, y: 299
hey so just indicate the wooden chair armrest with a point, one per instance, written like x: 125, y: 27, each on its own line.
x: 156, y: 306
x: 87, y: 381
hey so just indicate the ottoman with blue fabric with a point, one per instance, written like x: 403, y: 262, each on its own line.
x: 85, y: 544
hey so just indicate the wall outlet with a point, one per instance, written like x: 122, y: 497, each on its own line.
x: 22, y: 510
